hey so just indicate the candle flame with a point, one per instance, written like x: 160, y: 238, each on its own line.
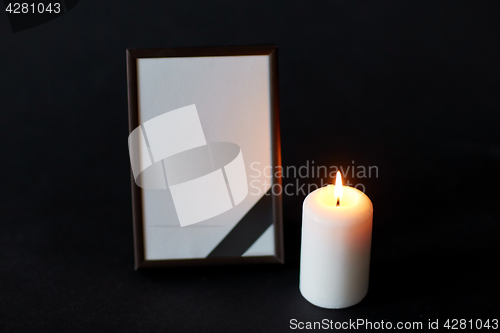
x: 338, y: 188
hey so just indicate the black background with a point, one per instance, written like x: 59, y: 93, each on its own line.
x: 411, y: 87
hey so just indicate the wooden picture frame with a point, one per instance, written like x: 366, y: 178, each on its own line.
x: 180, y: 62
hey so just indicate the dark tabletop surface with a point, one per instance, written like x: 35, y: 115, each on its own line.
x: 410, y: 87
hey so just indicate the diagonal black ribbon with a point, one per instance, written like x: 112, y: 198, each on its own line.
x: 247, y: 231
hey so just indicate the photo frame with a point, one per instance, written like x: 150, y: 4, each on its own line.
x: 205, y: 154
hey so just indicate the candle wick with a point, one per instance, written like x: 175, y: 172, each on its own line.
x: 338, y: 201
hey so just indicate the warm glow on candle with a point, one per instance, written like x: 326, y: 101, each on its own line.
x: 338, y: 188
x: 336, y: 242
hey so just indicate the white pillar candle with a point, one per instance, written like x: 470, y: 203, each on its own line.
x: 336, y: 242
